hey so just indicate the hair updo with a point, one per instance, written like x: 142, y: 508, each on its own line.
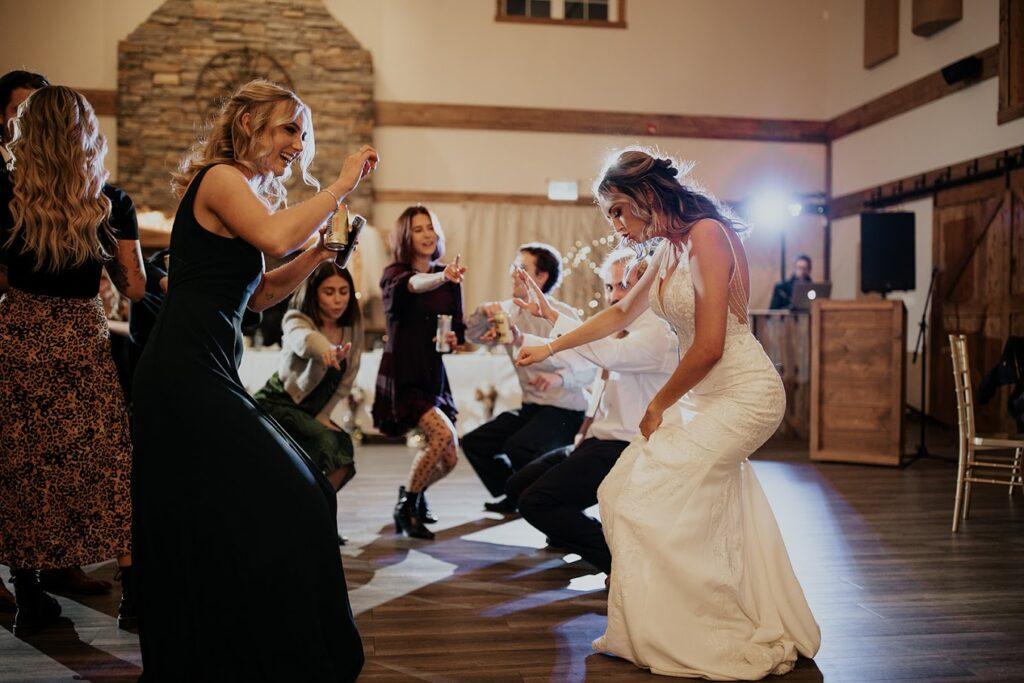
x: 655, y: 189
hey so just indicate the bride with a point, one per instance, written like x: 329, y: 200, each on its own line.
x: 701, y: 584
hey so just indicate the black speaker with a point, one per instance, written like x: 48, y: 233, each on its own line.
x: 965, y: 69
x: 887, y: 252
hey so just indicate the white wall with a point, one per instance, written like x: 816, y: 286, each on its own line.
x: 950, y: 130
x: 726, y: 57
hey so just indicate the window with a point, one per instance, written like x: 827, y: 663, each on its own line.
x: 540, y: 9
x: 590, y: 10
x: 594, y: 13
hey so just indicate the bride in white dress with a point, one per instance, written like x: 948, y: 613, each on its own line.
x: 701, y: 584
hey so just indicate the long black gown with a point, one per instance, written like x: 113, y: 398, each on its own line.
x: 234, y: 537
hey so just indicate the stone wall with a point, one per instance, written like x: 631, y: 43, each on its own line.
x: 189, y: 53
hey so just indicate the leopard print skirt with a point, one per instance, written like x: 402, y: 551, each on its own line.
x: 65, y: 447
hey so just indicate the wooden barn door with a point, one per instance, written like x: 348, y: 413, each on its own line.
x: 979, y: 249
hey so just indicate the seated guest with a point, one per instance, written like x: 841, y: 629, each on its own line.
x: 553, y: 400
x: 320, y: 352
x: 782, y: 294
x: 557, y: 488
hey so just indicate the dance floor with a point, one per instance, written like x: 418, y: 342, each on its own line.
x: 897, y: 596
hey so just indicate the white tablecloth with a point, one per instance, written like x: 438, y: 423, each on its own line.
x: 467, y: 372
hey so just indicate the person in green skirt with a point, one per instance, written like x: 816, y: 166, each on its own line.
x: 320, y: 350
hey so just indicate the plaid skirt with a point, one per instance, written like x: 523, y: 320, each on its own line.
x: 65, y: 446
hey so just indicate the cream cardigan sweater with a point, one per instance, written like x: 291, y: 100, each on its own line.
x: 300, y: 366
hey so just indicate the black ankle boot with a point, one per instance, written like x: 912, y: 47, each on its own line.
x: 127, y: 616
x: 423, y: 510
x: 406, y: 518
x: 36, y: 609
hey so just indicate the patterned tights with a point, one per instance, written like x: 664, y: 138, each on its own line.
x: 438, y: 457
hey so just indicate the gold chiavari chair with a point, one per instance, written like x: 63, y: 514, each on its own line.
x: 977, y: 464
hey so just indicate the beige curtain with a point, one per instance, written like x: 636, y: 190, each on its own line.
x: 487, y: 236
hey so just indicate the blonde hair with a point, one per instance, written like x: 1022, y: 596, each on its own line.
x: 658, y: 193
x: 635, y: 263
x: 228, y: 142
x: 58, y: 205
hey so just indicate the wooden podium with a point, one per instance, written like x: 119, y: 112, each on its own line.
x: 858, y: 385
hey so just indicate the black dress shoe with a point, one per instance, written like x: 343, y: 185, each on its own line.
x: 36, y: 608
x: 504, y: 506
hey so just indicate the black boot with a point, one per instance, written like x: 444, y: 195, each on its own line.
x: 36, y: 609
x: 423, y: 510
x: 406, y: 518
x: 127, y: 616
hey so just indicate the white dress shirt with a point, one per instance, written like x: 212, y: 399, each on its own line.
x: 574, y: 393
x: 639, y: 365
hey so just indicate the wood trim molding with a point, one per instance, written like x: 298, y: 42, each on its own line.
x: 854, y: 202
x: 637, y: 124
x: 104, y: 102
x: 909, y: 97
x: 535, y: 119
x: 436, y: 197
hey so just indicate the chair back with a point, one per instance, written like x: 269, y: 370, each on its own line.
x: 964, y: 389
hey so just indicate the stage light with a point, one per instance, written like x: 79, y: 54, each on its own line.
x: 795, y: 209
x: 770, y: 209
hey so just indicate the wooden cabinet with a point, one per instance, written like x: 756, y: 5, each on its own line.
x: 786, y: 338
x: 858, y: 384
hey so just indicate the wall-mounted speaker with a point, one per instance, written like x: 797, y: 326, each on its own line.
x: 966, y: 69
x: 887, y: 261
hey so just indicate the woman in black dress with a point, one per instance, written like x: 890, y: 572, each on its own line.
x: 412, y: 386
x: 65, y: 452
x: 237, y: 559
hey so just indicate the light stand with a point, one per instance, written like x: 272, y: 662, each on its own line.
x: 922, y: 344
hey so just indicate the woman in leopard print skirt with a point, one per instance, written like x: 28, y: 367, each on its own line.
x: 65, y: 451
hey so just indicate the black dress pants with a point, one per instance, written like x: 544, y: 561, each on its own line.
x: 513, y: 439
x: 555, y: 502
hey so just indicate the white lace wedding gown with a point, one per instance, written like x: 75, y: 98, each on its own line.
x: 701, y: 584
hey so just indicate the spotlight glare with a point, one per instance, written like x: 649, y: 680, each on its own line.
x: 771, y: 209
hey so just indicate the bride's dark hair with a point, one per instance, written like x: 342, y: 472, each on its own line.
x: 657, y: 194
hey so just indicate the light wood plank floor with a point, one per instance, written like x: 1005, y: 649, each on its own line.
x: 897, y: 596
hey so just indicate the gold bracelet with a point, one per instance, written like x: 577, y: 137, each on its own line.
x: 337, y: 202
x: 550, y: 350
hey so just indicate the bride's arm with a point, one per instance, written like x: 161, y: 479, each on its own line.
x: 710, y: 262
x: 606, y: 323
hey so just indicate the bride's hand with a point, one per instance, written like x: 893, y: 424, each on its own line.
x: 651, y: 420
x: 528, y: 355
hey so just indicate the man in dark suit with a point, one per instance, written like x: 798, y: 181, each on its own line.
x: 782, y: 294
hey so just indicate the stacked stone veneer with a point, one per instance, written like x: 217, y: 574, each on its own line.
x: 159, y: 64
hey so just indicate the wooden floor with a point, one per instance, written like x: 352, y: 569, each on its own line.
x: 897, y: 596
